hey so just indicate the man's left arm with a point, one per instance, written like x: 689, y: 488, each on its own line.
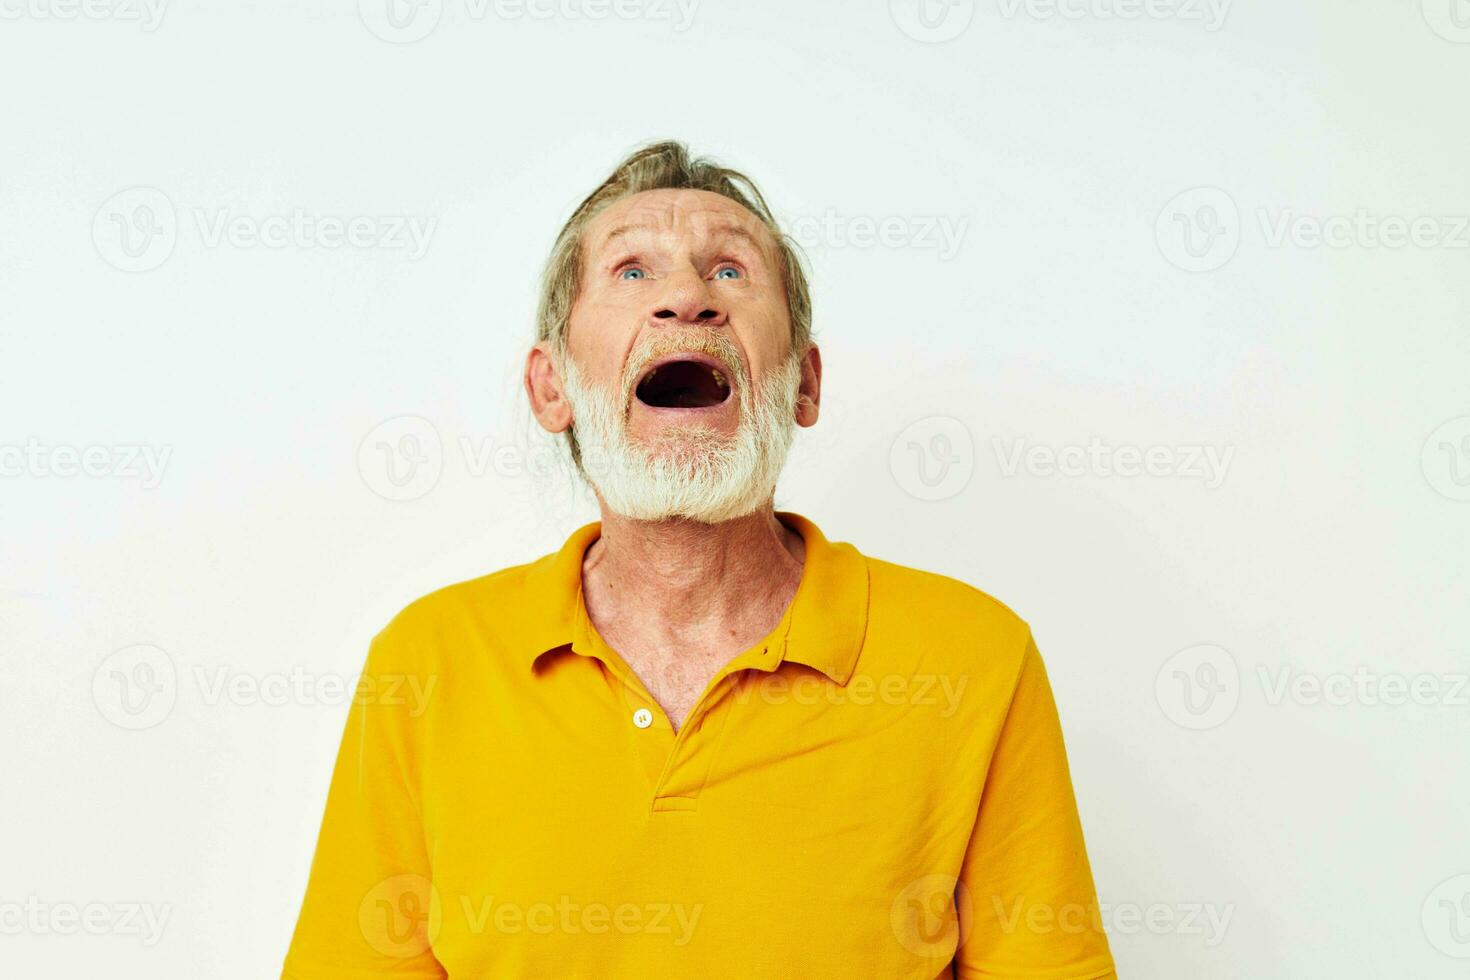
x: 1033, y: 905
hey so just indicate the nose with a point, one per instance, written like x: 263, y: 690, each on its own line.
x: 687, y: 299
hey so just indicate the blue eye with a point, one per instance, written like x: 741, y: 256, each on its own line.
x: 632, y: 274
x: 728, y: 272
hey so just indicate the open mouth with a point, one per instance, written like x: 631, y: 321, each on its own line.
x: 683, y: 382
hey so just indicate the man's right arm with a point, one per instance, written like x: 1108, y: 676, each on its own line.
x: 369, y: 909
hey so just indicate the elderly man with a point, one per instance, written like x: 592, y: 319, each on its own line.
x: 701, y: 739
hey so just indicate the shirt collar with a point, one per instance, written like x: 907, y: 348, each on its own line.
x: 828, y: 616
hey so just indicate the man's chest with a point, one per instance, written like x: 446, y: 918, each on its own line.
x: 781, y: 784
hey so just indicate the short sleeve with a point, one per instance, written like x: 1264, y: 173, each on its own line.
x: 1030, y: 896
x: 370, y: 908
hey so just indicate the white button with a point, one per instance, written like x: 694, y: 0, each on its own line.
x: 643, y: 717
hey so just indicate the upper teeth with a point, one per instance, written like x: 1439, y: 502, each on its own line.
x: 719, y: 378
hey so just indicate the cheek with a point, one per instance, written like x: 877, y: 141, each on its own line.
x: 608, y: 309
x: 596, y: 338
x: 765, y: 333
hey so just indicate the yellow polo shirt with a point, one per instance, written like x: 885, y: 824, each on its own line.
x: 876, y: 789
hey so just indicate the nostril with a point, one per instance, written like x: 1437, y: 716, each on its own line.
x: 664, y: 314
x: 707, y: 314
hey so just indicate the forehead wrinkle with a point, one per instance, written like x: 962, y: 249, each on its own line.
x: 706, y: 224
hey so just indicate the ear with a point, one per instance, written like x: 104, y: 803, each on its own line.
x: 543, y: 385
x: 809, y: 395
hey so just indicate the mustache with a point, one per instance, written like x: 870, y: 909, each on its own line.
x: 684, y: 341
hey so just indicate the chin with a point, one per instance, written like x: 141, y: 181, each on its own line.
x: 714, y: 513
x: 690, y: 445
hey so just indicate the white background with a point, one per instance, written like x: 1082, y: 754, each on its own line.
x: 1085, y: 308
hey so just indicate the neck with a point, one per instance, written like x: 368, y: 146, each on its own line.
x: 684, y: 573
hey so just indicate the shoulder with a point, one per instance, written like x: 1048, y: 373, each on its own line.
x: 486, y: 612
x: 938, y: 600
x: 949, y: 624
x: 497, y: 591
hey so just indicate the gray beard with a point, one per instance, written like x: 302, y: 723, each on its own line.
x: 692, y: 472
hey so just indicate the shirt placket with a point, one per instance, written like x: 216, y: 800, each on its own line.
x: 675, y: 764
